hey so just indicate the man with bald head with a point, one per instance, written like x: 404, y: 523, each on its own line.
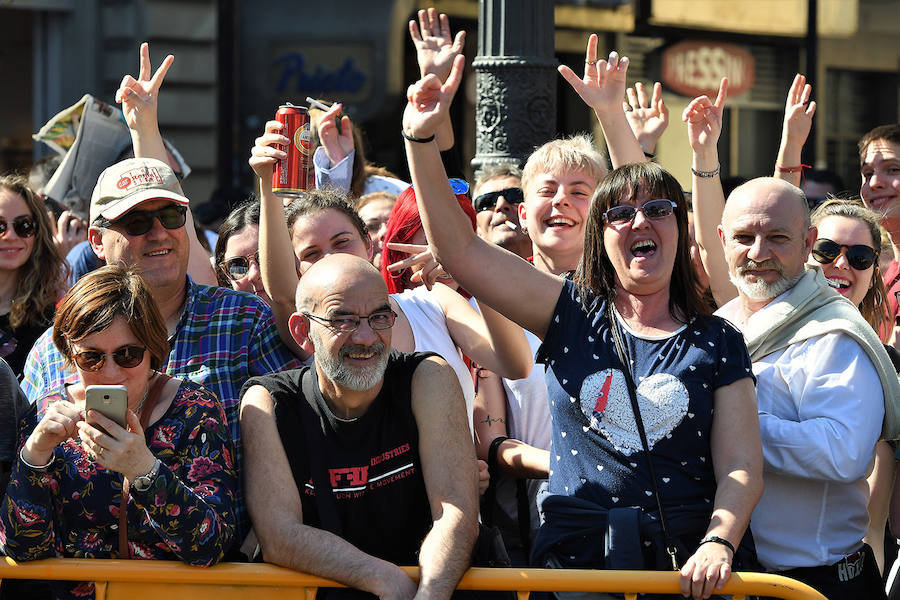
x: 822, y: 376
x: 363, y: 461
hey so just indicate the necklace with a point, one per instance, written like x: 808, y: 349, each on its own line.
x: 137, y: 411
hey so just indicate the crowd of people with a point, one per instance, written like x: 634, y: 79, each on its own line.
x: 573, y: 357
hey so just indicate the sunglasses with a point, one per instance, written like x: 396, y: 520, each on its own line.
x: 625, y: 213
x: 24, y: 226
x: 488, y: 201
x: 459, y: 186
x: 126, y: 357
x: 860, y: 256
x: 237, y: 267
x: 141, y: 221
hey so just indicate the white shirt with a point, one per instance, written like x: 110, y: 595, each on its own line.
x: 340, y: 176
x: 821, y: 408
x: 429, y: 326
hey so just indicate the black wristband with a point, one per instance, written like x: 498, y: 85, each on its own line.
x: 717, y: 540
x: 415, y: 139
x: 492, y: 452
x: 649, y: 155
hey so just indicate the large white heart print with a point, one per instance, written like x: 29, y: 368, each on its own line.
x: 662, y: 398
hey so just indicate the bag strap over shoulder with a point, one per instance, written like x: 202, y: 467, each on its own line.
x: 636, y: 409
x: 153, y: 395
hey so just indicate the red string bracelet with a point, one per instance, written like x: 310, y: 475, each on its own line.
x: 798, y: 169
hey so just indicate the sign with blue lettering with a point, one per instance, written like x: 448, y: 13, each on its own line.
x: 335, y: 72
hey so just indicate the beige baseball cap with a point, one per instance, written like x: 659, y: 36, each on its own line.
x: 131, y: 182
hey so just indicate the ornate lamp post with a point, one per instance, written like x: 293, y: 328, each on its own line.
x: 515, y: 80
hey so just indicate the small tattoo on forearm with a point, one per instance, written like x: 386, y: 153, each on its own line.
x: 489, y: 421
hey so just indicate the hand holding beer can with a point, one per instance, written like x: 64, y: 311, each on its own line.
x: 291, y: 177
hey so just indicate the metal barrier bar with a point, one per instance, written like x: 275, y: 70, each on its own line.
x: 139, y: 579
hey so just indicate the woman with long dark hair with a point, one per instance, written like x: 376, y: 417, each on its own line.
x: 32, y: 270
x: 696, y: 462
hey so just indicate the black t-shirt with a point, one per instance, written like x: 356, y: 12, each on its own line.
x: 372, y: 462
x: 15, y: 344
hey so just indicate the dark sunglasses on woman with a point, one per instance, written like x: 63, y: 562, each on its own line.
x: 139, y: 222
x: 489, y: 200
x: 24, y: 226
x: 625, y: 213
x: 860, y: 256
x: 237, y: 267
x: 126, y: 357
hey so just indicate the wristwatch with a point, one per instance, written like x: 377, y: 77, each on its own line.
x: 142, y: 483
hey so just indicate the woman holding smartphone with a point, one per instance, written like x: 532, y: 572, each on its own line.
x: 159, y: 488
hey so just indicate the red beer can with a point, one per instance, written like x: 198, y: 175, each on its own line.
x: 292, y: 176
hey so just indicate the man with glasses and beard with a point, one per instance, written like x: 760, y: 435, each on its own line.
x: 363, y: 461
x: 822, y: 380
x: 219, y: 337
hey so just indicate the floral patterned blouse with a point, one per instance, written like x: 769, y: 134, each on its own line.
x: 72, y: 509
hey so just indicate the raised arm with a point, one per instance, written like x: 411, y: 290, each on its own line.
x: 487, y: 337
x: 277, y: 514
x: 276, y: 256
x: 704, y: 121
x: 139, y: 98
x: 497, y: 277
x: 603, y: 89
x: 798, y: 114
x: 436, y: 49
x: 448, y: 467
x: 737, y: 463
x: 648, y: 117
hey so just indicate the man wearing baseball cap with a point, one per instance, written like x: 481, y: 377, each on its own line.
x: 219, y: 337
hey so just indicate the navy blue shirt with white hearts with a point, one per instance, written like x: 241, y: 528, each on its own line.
x: 596, y: 452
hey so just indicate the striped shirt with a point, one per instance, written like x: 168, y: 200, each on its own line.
x: 223, y: 338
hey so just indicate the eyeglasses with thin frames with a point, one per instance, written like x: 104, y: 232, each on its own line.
x: 350, y: 323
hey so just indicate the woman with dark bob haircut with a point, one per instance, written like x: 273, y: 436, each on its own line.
x: 700, y: 460
x: 171, y: 467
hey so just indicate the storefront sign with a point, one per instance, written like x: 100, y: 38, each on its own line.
x: 694, y: 68
x: 339, y: 72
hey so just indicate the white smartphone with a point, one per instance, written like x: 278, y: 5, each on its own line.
x: 109, y: 400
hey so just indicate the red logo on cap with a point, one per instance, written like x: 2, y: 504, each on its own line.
x: 124, y: 183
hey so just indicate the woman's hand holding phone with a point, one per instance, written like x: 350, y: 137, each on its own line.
x: 118, y: 449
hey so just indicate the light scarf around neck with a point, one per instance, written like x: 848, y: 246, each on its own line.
x: 812, y: 308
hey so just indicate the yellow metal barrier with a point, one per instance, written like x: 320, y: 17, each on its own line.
x: 156, y: 579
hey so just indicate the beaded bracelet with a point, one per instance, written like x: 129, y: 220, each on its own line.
x: 707, y: 174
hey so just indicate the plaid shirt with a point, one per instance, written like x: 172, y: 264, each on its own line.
x: 222, y: 339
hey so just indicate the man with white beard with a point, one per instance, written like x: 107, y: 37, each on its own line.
x: 364, y: 461
x: 822, y: 377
